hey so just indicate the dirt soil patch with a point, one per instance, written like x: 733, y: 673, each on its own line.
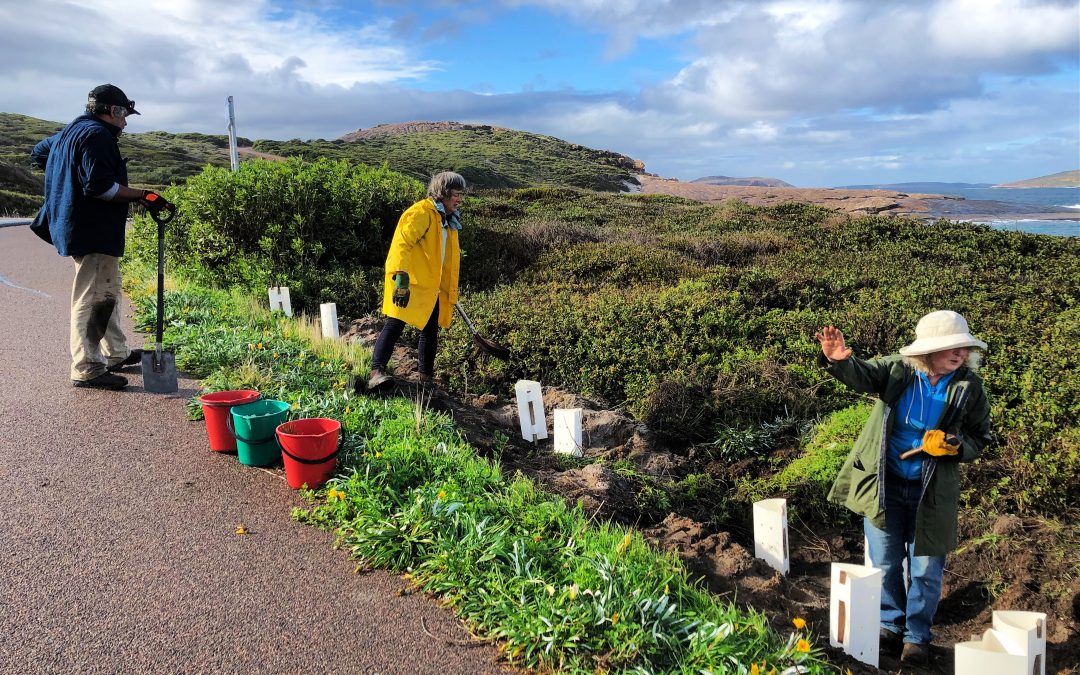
x: 1006, y: 562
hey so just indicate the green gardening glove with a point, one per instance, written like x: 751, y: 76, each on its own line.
x: 401, y: 289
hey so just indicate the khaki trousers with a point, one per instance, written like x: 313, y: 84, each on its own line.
x: 96, y: 338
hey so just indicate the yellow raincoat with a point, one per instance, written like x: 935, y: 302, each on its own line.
x: 417, y: 249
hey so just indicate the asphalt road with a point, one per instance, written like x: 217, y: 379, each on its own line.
x: 118, y: 539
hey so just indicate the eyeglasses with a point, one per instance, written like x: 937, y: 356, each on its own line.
x: 460, y: 194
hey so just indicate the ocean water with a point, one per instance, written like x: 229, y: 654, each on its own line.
x: 1060, y: 228
x: 1012, y: 207
x: 1049, y: 198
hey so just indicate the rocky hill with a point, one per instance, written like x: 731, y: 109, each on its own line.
x: 399, y: 128
x: 748, y: 182
x: 488, y: 156
x: 1054, y: 180
x: 155, y: 159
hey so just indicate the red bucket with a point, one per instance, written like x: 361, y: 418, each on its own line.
x: 216, y: 409
x: 309, y: 450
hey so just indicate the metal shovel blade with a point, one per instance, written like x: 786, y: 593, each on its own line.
x: 485, y: 345
x: 492, y: 348
x: 159, y: 372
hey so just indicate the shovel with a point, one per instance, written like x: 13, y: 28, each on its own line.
x: 159, y: 367
x: 485, y: 345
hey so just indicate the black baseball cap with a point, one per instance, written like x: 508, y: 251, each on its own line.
x: 110, y: 94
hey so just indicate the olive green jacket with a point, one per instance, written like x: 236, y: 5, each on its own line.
x: 966, y: 414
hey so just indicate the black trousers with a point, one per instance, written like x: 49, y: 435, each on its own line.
x: 426, y: 347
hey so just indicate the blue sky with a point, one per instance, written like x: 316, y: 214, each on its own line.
x: 814, y: 92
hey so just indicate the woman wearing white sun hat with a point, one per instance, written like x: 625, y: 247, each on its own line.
x: 902, y: 475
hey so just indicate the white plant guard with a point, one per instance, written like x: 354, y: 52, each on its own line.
x: 530, y: 400
x: 988, y: 655
x: 279, y: 299
x: 770, y: 534
x: 855, y: 611
x: 567, y: 424
x: 328, y: 312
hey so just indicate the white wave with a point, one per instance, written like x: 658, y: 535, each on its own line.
x: 1070, y: 206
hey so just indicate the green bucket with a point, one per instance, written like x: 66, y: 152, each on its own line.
x: 253, y: 425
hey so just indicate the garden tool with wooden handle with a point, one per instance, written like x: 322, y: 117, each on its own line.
x: 937, y: 443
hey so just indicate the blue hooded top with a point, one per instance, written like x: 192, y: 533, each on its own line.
x: 81, y: 162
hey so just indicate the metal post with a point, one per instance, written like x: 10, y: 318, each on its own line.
x: 234, y: 158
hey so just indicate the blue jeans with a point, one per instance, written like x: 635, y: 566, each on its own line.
x: 906, y: 607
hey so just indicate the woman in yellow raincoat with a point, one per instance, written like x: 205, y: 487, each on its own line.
x: 421, y: 276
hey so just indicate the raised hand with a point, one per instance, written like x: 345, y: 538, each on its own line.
x: 832, y: 343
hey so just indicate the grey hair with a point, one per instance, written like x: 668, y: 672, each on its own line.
x: 921, y: 362
x: 442, y: 184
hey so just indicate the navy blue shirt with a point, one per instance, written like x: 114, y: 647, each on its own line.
x: 81, y: 162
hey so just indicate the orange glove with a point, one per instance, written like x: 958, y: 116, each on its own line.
x: 937, y: 443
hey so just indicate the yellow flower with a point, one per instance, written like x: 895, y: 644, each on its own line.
x: 754, y: 669
x: 442, y: 494
x: 550, y: 589
x: 335, y: 495
x: 276, y: 355
x: 624, y: 543
x: 260, y: 345
x: 573, y: 591
x: 346, y: 410
x: 378, y: 454
x: 666, y: 589
x: 614, y: 618
x: 799, y: 622
x: 802, y: 646
x: 240, y: 529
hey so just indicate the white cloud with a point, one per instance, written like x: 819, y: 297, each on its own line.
x: 758, y: 131
x: 815, y: 92
x: 1002, y: 30
x: 190, y: 49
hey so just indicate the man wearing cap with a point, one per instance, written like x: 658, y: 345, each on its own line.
x: 84, y: 216
x: 902, y: 474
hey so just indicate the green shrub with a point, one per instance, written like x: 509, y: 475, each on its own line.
x: 320, y: 228
x: 17, y: 204
x: 621, y: 264
x: 806, y: 480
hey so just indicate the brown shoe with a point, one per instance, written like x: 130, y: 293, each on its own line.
x: 378, y: 379
x: 103, y: 381
x: 915, y: 654
x: 890, y: 643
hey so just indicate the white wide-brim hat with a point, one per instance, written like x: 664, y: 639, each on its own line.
x: 938, y: 331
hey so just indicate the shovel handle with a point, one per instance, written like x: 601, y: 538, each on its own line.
x: 160, y: 327
x: 468, y: 321
x: 909, y: 453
